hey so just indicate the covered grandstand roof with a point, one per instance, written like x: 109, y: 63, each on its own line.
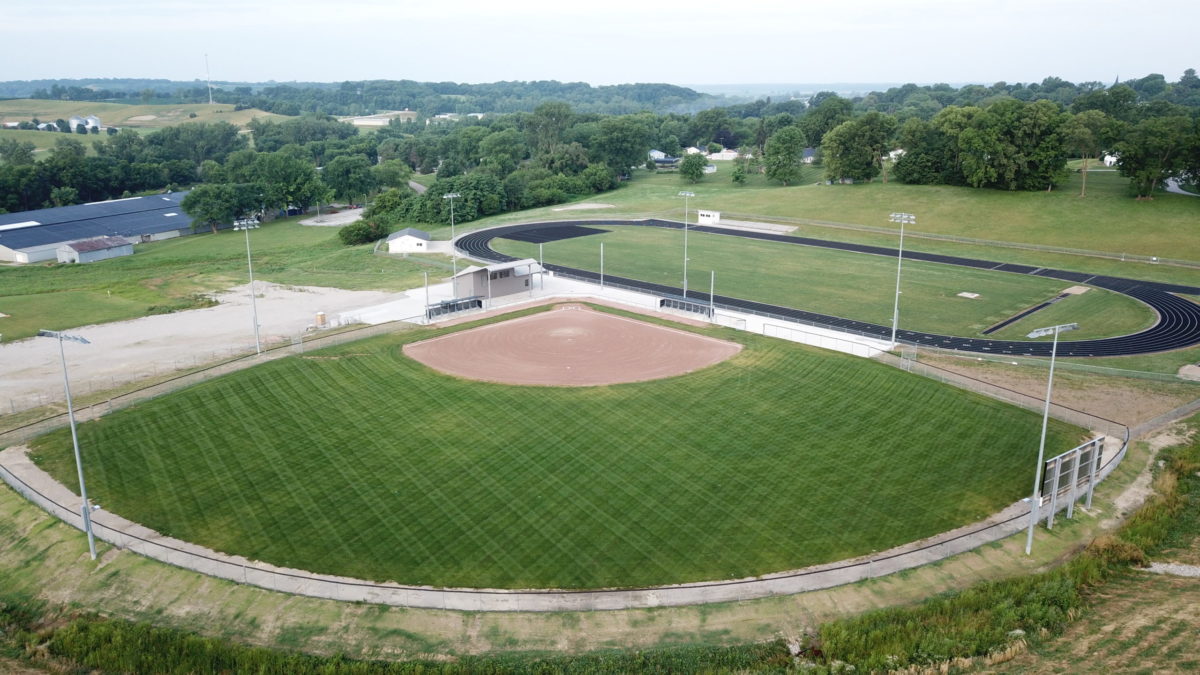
x: 119, y: 217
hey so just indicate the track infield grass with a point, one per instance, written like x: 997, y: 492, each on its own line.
x: 840, y: 283
x: 358, y: 461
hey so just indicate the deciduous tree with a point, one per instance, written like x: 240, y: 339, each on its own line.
x: 784, y: 154
x: 691, y: 168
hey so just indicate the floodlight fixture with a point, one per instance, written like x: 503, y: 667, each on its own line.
x: 685, y: 194
x: 245, y: 225
x: 1036, y: 501
x: 903, y: 219
x: 453, y: 249
x: 1051, y: 330
x: 85, y: 507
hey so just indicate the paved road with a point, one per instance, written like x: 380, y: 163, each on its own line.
x: 1178, y: 325
x: 1173, y: 187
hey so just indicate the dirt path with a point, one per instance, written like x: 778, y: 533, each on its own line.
x: 1121, y: 399
x: 150, y: 346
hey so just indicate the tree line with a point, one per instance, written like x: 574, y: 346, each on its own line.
x: 556, y: 152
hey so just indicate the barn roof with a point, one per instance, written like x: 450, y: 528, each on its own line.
x: 118, y: 217
x: 97, y: 244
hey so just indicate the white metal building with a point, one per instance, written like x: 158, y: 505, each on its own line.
x: 408, y: 240
x: 91, y: 250
x: 34, y: 236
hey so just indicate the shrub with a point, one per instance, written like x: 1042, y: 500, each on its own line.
x: 363, y: 232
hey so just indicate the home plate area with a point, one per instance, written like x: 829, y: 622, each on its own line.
x: 570, y: 346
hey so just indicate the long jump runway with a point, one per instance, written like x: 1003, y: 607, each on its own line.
x: 1178, y: 324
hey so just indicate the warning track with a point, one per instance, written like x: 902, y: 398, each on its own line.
x: 1178, y: 324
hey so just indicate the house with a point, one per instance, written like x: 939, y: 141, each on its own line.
x: 808, y: 155
x: 657, y: 154
x: 48, y: 126
x: 91, y: 122
x: 34, y: 236
x: 91, y: 250
x: 74, y: 121
x: 725, y: 154
x: 1110, y: 160
x: 692, y: 150
x: 896, y: 154
x: 496, y: 280
x: 408, y: 240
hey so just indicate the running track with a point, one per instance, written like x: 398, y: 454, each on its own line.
x: 1178, y: 324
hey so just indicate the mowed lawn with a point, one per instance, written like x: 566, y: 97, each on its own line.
x: 1107, y: 219
x: 841, y: 283
x: 358, y: 461
x: 169, y: 273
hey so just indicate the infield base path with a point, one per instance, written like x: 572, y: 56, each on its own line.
x: 570, y: 346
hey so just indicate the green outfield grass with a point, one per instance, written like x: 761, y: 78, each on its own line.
x: 840, y: 283
x: 357, y: 460
x: 171, y: 272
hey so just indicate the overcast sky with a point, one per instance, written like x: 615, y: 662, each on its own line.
x: 605, y: 42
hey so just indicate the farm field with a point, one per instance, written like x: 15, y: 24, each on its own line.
x: 841, y: 283
x: 123, y: 115
x: 44, y: 141
x: 358, y: 461
x: 170, y: 273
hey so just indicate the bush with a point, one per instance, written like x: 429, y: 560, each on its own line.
x: 363, y: 232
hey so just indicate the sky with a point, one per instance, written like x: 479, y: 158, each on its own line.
x: 607, y: 42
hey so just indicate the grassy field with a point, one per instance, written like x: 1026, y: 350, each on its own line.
x: 359, y: 461
x: 125, y: 115
x: 1107, y: 220
x: 841, y: 283
x: 44, y: 141
x: 171, y: 272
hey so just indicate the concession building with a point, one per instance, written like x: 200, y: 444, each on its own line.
x: 35, y: 236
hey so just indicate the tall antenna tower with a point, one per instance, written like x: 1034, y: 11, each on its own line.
x: 208, y: 75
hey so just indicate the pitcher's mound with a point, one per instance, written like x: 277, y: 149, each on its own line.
x: 570, y: 346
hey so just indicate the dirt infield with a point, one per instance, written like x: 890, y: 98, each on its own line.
x: 571, y: 346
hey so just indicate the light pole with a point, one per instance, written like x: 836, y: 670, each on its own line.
x: 453, y: 250
x: 86, y: 508
x: 903, y: 219
x: 245, y: 225
x: 685, y: 194
x: 1037, y: 472
x: 712, y: 294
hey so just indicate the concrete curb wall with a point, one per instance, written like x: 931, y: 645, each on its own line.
x: 18, y: 471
